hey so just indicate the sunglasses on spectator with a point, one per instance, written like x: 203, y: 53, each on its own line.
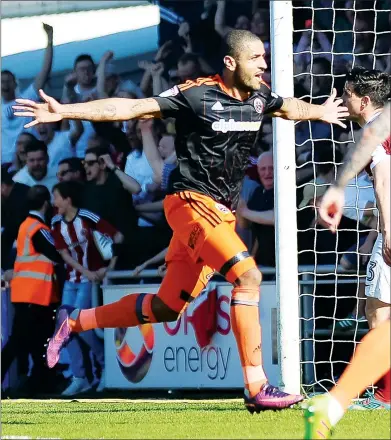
x: 63, y: 173
x: 90, y: 163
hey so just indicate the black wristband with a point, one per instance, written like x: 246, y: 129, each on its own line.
x: 113, y: 170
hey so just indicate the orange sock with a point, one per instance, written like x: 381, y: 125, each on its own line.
x: 129, y: 311
x: 247, y: 331
x: 370, y: 363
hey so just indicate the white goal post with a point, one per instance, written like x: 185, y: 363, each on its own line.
x: 313, y: 344
x: 281, y: 31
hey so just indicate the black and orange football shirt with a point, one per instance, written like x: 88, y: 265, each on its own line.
x: 214, y: 135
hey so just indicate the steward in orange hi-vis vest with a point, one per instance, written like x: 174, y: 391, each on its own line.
x: 34, y: 280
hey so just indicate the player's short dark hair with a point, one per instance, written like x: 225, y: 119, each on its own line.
x: 236, y: 41
x: 326, y: 156
x: 98, y: 151
x: 37, y: 195
x: 72, y: 190
x: 83, y: 57
x: 189, y: 58
x: 372, y: 83
x: 36, y: 145
x: 8, y: 72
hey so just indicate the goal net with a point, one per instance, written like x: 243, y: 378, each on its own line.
x: 330, y: 37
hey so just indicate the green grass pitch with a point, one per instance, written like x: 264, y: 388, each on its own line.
x: 170, y: 419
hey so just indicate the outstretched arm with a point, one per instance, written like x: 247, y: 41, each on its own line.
x: 43, y: 75
x: 297, y: 110
x: 112, y: 109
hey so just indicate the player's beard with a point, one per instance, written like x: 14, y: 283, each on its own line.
x: 244, y: 82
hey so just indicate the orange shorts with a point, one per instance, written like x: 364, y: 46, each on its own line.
x: 204, y: 241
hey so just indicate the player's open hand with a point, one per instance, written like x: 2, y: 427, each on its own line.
x: 48, y: 112
x: 334, y: 111
x: 331, y: 208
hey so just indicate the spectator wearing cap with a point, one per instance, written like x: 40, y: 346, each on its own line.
x: 36, y: 170
x: 12, y: 126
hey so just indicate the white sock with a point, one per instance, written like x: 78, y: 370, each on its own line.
x: 335, y: 411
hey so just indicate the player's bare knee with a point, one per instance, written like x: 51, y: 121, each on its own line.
x: 162, y: 312
x: 252, y: 277
x: 376, y: 312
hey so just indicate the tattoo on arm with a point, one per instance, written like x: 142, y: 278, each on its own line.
x: 299, y: 110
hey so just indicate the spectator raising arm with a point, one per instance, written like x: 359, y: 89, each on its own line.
x: 101, y: 74
x: 220, y: 27
x: 43, y: 75
x: 151, y: 150
x: 159, y: 84
x: 128, y: 182
x: 68, y: 92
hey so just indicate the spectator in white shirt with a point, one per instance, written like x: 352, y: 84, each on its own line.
x: 36, y: 171
x: 80, y: 86
x: 25, y: 138
x: 11, y: 126
x: 60, y: 144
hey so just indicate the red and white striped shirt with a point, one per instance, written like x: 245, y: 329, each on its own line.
x: 383, y: 151
x: 76, y: 236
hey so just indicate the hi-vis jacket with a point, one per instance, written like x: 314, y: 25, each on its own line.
x: 34, y: 279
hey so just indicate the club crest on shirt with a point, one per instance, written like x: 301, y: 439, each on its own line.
x: 258, y: 105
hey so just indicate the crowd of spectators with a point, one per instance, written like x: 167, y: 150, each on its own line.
x: 122, y: 169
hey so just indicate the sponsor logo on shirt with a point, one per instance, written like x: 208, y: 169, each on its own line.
x: 232, y: 125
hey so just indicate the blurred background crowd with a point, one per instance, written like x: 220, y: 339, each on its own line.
x: 123, y: 168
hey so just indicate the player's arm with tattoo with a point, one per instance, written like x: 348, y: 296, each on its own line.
x: 111, y: 109
x: 298, y: 110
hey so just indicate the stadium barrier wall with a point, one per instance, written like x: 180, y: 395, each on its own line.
x: 175, y: 348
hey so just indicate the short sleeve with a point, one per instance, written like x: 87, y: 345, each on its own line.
x: 273, y: 102
x: 59, y: 241
x: 382, y: 152
x: 104, y: 227
x: 171, y: 101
